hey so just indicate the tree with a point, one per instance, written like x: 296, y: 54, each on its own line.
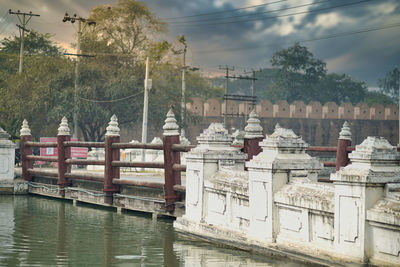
x: 35, y: 43
x: 298, y: 72
x: 300, y: 76
x: 390, y: 84
x: 122, y: 38
x: 377, y: 98
x: 34, y: 94
x: 126, y: 29
x: 339, y: 88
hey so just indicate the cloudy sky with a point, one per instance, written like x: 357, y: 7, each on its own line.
x: 357, y: 37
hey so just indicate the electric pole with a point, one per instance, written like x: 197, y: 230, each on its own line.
x: 147, y: 87
x: 253, y: 81
x: 22, y: 18
x: 183, y: 104
x: 398, y: 88
x: 77, y: 61
x: 182, y: 40
x: 227, y: 69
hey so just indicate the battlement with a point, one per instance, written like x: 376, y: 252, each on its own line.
x: 298, y: 109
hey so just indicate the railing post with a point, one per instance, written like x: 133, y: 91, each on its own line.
x: 344, y: 141
x: 25, y: 151
x: 253, y: 136
x: 170, y: 137
x: 110, y: 172
x: 63, y: 153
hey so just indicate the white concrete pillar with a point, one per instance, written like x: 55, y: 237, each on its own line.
x: 282, y: 158
x: 358, y: 187
x: 7, y: 158
x: 214, y: 152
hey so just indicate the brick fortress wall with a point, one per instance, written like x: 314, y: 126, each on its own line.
x: 318, y: 124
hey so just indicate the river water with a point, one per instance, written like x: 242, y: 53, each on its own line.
x: 37, y: 231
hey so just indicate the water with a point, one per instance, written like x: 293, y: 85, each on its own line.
x: 46, y: 232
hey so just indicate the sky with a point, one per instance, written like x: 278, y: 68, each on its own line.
x: 357, y: 37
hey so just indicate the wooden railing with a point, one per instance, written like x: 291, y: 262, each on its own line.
x: 112, y: 164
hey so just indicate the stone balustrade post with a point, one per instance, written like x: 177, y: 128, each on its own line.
x: 64, y: 153
x: 358, y: 186
x: 214, y: 152
x: 282, y: 160
x: 111, y: 154
x: 7, y: 159
x: 344, y: 141
x: 26, y: 163
x: 253, y: 136
x: 171, y: 177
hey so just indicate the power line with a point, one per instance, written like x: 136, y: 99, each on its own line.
x: 111, y: 100
x: 252, y: 14
x: 225, y: 11
x: 330, y: 36
x: 278, y: 16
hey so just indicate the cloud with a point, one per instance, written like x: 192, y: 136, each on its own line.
x: 366, y: 56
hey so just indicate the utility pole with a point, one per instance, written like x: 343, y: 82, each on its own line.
x: 398, y: 87
x: 182, y: 40
x: 22, y: 30
x: 77, y: 61
x: 253, y: 81
x: 147, y: 87
x: 227, y: 69
x: 183, y: 104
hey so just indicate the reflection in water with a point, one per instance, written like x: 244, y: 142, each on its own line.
x: 44, y: 232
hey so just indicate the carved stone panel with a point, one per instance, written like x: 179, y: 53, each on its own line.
x: 348, y: 218
x: 261, y: 195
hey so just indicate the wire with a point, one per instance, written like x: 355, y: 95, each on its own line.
x: 253, y: 14
x: 334, y: 35
x: 224, y: 11
x: 279, y: 16
x: 351, y: 33
x: 109, y: 101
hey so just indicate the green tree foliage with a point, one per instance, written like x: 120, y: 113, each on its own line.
x: 390, y: 84
x: 34, y: 44
x: 377, y: 98
x: 300, y: 76
x: 41, y: 94
x: 34, y: 94
x: 339, y: 88
x: 298, y: 73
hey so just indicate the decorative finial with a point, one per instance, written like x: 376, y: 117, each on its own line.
x: 345, y: 133
x: 63, y: 129
x: 215, y: 136
x: 253, y: 128
x: 25, y: 128
x: 112, y: 128
x: 374, y: 150
x: 170, y: 127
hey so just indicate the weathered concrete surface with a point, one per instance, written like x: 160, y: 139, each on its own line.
x: 278, y: 205
x: 7, y: 157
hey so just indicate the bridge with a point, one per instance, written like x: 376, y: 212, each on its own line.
x: 265, y: 196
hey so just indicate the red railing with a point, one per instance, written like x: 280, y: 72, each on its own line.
x: 111, y: 178
x: 112, y: 164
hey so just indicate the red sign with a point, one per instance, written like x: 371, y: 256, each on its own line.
x: 76, y: 152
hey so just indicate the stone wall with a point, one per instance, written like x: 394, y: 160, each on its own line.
x: 316, y: 132
x: 318, y: 124
x: 297, y: 109
x: 276, y: 205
